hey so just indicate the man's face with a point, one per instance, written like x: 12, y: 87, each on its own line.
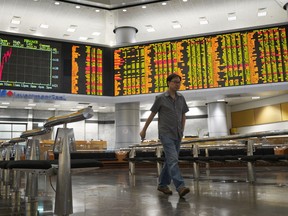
x: 175, y: 84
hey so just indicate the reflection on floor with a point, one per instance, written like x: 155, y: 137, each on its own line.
x: 106, y: 192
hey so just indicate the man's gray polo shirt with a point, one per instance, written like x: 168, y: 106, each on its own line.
x: 170, y: 114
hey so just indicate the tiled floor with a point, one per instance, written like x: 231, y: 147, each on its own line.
x: 109, y: 192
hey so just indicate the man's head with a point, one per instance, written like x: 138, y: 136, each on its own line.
x: 174, y: 81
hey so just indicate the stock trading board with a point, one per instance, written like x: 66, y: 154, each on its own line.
x: 222, y: 60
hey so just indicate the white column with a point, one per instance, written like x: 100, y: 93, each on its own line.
x: 125, y: 35
x: 127, y: 123
x: 217, y: 119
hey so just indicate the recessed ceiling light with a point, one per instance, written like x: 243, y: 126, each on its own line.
x: 203, y: 21
x: 96, y: 33
x: 176, y: 25
x: 83, y: 38
x: 44, y: 26
x: 27, y: 107
x: 262, y: 12
x: 3, y: 107
x: 52, y: 108
x: 72, y: 28
x: 57, y: 3
x: 31, y: 104
x: 124, y: 10
x: 97, y: 10
x: 185, y: 0
x: 220, y: 100
x: 16, y: 20
x: 150, y: 28
x: 255, y: 97
x: 164, y: 3
x: 144, y: 6
x: 77, y: 7
x: 5, y: 103
x: 231, y: 16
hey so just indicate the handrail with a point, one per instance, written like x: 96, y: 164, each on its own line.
x: 35, y: 132
x: 82, y: 114
x: 17, y: 140
x: 224, y: 138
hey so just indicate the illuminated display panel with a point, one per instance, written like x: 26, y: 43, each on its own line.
x: 232, y: 59
x: 30, y: 64
x: 87, y: 70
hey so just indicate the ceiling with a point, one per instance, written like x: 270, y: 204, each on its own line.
x: 95, y: 20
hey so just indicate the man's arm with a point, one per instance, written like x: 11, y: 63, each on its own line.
x: 183, y: 121
x: 147, y: 123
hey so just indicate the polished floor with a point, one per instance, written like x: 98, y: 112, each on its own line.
x: 108, y: 192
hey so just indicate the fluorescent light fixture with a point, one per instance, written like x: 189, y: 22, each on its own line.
x: 232, y: 16
x: 164, y: 3
x: 16, y: 20
x: 52, y: 108
x: 77, y: 7
x: 102, y: 107
x: 176, y: 25
x: 124, y: 10
x: 5, y: 103
x: 27, y: 107
x: 3, y: 107
x: 96, y: 33
x: 57, y: 3
x: 255, y: 97
x: 150, y: 28
x: 144, y: 6
x: 97, y: 10
x: 44, y: 26
x: 262, y: 12
x: 32, y: 104
x: 221, y: 100
x: 185, y: 0
x: 203, y: 21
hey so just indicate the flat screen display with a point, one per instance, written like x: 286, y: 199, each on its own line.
x: 223, y: 60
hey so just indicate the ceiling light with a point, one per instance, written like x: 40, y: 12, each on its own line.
x: 203, y: 21
x: 150, y: 28
x: 220, y: 100
x: 262, y: 12
x: 44, y: 26
x: 3, y: 107
x: 5, y: 103
x: 232, y: 16
x: 27, y: 107
x: 102, y: 107
x: 72, y: 28
x: 124, y: 10
x: 16, y: 20
x: 83, y: 38
x: 176, y: 25
x: 96, y: 33
x: 97, y: 10
x: 144, y: 6
x: 255, y: 97
x: 57, y: 3
x: 31, y: 104
x: 77, y: 7
x: 73, y: 110
x: 52, y: 108
x: 185, y: 0
x: 164, y: 3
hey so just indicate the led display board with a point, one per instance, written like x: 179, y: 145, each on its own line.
x: 231, y: 59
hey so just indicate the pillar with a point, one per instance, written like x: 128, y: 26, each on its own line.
x: 125, y: 35
x: 127, y: 123
x: 217, y: 119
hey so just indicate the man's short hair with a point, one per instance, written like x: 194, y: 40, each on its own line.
x: 172, y: 76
